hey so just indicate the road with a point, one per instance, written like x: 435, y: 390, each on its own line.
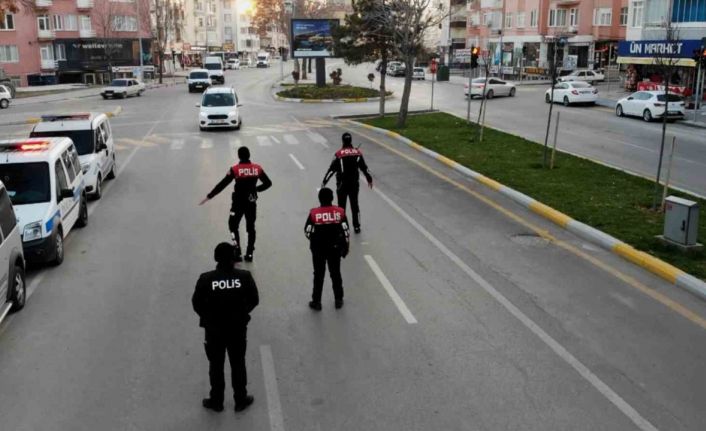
x: 457, y: 317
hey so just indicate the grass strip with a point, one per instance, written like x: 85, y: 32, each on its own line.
x: 605, y: 198
x: 329, y: 92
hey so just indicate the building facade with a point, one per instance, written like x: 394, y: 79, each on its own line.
x: 453, y: 33
x: 81, y: 41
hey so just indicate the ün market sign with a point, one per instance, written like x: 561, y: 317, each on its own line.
x: 658, y: 48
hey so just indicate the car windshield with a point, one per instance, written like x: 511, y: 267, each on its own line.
x: 261, y: 57
x: 118, y: 83
x: 671, y: 98
x: 199, y: 75
x: 26, y: 183
x: 83, y: 139
x: 218, y: 99
x: 580, y: 84
x: 212, y: 66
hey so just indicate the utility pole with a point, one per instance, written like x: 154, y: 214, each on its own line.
x: 551, y: 105
x: 139, y: 39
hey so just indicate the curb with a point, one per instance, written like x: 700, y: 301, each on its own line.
x: 656, y: 266
x: 34, y: 120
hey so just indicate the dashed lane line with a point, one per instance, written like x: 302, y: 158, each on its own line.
x: 274, y: 407
x: 401, y: 306
x: 296, y: 162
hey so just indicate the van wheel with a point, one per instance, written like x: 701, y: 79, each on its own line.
x: 19, y: 289
x: 111, y: 174
x: 83, y: 213
x: 4, y: 103
x: 58, y: 247
x: 98, y: 192
x: 566, y: 101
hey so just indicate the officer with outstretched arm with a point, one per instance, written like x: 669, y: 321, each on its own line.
x: 346, y: 164
x: 224, y: 299
x: 246, y: 175
x: 327, y: 231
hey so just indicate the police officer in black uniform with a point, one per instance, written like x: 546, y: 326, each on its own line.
x: 246, y: 175
x: 346, y: 164
x: 327, y: 231
x: 224, y: 299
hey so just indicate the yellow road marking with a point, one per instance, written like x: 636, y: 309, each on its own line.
x: 657, y: 296
x: 548, y: 212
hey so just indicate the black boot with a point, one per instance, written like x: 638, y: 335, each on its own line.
x: 315, y: 305
x: 212, y: 405
x: 339, y: 304
x: 244, y: 403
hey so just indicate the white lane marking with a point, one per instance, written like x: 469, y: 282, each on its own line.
x: 291, y: 139
x: 274, y: 407
x: 32, y: 286
x: 294, y: 159
x: 206, y: 143
x: 235, y: 143
x: 275, y: 139
x: 318, y: 139
x: 408, y: 316
x: 595, y: 381
x: 177, y: 144
x: 264, y: 141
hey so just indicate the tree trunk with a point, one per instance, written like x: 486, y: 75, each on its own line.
x: 303, y: 70
x: 383, y: 74
x: 161, y: 65
x: 404, y: 104
x: 309, y: 63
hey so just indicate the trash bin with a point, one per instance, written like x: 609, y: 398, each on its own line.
x: 442, y: 73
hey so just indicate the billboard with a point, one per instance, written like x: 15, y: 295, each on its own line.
x: 312, y: 37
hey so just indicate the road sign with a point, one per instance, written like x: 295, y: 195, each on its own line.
x: 432, y: 66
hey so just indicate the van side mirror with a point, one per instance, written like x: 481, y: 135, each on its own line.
x: 66, y: 193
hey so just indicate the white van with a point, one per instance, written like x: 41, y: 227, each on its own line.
x: 215, y: 69
x: 93, y: 139
x: 263, y: 59
x: 13, y: 291
x: 45, y: 183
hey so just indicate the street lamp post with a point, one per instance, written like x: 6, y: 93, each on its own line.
x: 139, y: 39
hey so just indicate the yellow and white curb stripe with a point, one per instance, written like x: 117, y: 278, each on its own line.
x: 657, y: 266
x: 347, y: 100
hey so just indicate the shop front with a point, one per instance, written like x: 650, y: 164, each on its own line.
x: 92, y: 61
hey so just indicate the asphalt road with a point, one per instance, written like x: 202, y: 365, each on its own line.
x: 457, y: 316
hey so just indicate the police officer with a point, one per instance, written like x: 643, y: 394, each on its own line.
x: 345, y: 165
x: 327, y: 231
x: 224, y: 299
x: 246, y: 175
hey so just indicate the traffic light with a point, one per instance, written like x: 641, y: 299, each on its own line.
x: 474, y: 56
x: 700, y: 56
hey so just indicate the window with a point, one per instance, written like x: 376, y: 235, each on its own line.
x: 244, y: 30
x: 508, y: 20
x: 8, y: 23
x: 636, y: 14
x: 46, y: 52
x: 58, y: 21
x: 199, y: 6
x: 27, y: 183
x: 43, y: 22
x: 623, y: 16
x: 75, y: 160
x: 70, y: 23
x: 85, y: 22
x: 7, y: 215
x: 533, y: 18
x: 227, y: 17
x: 66, y: 157
x: 602, y: 16
x: 210, y: 21
x: 689, y: 11
x: 520, y: 21
x: 557, y: 17
x: 124, y: 23
x: 60, y: 51
x: 228, y: 31
x: 61, y: 183
x: 8, y: 54
x: 574, y: 17
x: 200, y: 22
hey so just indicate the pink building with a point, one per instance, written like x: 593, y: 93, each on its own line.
x: 524, y: 31
x: 74, y: 41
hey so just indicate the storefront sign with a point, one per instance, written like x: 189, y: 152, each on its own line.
x: 658, y: 48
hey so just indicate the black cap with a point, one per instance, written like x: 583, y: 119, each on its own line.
x: 325, y: 196
x: 224, y: 253
x: 347, y: 139
x: 243, y: 154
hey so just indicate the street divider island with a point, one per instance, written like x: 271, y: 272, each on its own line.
x: 606, y: 206
x: 309, y: 93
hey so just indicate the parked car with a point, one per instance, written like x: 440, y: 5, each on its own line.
x: 13, y: 290
x: 123, y: 88
x: 233, y: 64
x: 219, y: 109
x: 45, y: 183
x: 572, y: 92
x: 396, y: 68
x: 198, y: 80
x: 5, y: 97
x: 495, y: 87
x: 582, y: 75
x: 93, y: 138
x: 650, y: 105
x: 418, y: 73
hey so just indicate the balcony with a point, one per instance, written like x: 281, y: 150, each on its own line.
x: 85, y: 34
x: 84, y: 4
x: 43, y: 4
x: 49, y: 65
x: 46, y: 35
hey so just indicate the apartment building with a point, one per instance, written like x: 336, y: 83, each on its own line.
x: 74, y: 40
x: 453, y: 33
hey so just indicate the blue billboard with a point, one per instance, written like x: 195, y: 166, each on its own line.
x: 658, y: 48
x: 312, y: 37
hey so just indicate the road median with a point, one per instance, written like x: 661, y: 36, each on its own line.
x: 605, y: 206
x: 308, y: 93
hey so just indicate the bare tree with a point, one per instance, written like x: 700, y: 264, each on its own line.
x: 104, y: 18
x: 14, y: 6
x: 166, y: 27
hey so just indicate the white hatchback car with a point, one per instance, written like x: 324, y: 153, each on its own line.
x: 572, y: 92
x: 93, y: 139
x: 219, y: 109
x: 5, y: 97
x: 418, y: 73
x: 650, y: 105
x: 582, y: 75
x: 496, y: 87
x: 123, y: 88
x: 233, y: 64
x: 13, y: 291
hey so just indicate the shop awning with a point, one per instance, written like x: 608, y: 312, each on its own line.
x: 685, y: 62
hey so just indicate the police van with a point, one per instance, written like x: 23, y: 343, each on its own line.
x: 93, y: 139
x: 45, y: 183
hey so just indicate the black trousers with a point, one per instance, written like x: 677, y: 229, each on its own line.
x: 249, y: 210
x: 350, y: 191
x: 321, y: 258
x: 217, y: 344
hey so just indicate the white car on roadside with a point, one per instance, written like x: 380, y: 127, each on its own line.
x: 122, y: 88
x: 233, y: 64
x: 219, y: 109
x: 5, y: 97
x: 495, y: 87
x: 650, y: 105
x: 418, y: 73
x: 582, y: 75
x: 13, y: 290
x: 572, y: 92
